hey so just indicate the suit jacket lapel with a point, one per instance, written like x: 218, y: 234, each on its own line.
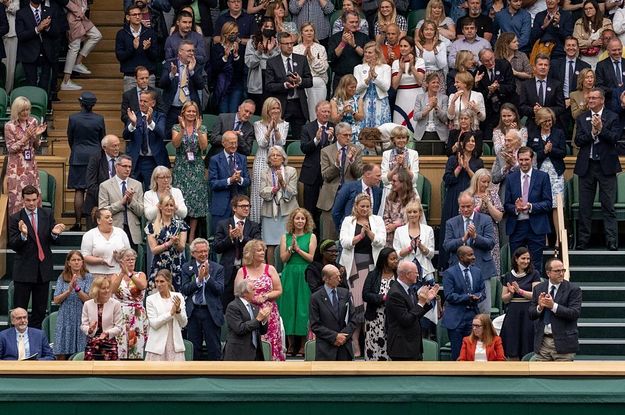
x: 328, y: 302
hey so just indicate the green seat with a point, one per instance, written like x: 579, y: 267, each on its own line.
x: 254, y: 118
x: 310, y: 351
x: 188, y: 350
x: 430, y: 350
x: 496, y: 302
x: 47, y: 183
x: 78, y: 356
x: 254, y: 148
x: 442, y: 338
x: 486, y: 150
x: 266, y: 351
x: 19, y: 77
x: 531, y: 356
x: 336, y: 15
x: 294, y: 148
x: 38, y: 99
x: 49, y: 326
x: 424, y: 188
x: 413, y: 19
x: 171, y: 150
x: 4, y: 102
x: 504, y: 255
x: 209, y: 120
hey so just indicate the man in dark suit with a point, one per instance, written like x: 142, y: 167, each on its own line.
x: 231, y: 236
x: 246, y: 323
x: 597, y: 164
x: 497, y: 85
x: 540, y: 91
x: 286, y: 78
x: 238, y: 122
x: 130, y: 98
x: 555, y: 307
x: 565, y: 70
x: 369, y: 184
x: 474, y: 229
x: 464, y: 290
x: 610, y: 74
x: 316, y: 135
x: 203, y: 285
x: 145, y: 133
x: 31, y: 232
x: 528, y: 205
x: 228, y: 177
x: 4, y: 28
x: 22, y: 342
x: 404, y: 308
x: 332, y: 318
x: 38, y: 33
x: 100, y: 169
x: 181, y: 83
x: 552, y: 26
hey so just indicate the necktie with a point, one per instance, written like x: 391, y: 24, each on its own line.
x: 335, y: 302
x: 37, y: 17
x: 541, y: 93
x: 254, y: 335
x: 467, y: 280
x: 33, y: 222
x: 526, y: 187
x: 467, y: 222
x: 368, y: 192
x: 237, y: 248
x: 112, y: 168
x: 290, y: 69
x: 343, y: 160
x: 548, y: 312
x: 571, y: 74
x: 144, y: 142
x: 21, y: 347
x: 124, y: 189
x: 617, y: 72
x: 412, y: 293
x: 324, y: 136
x: 183, y: 84
x: 231, y: 163
x: 492, y: 75
x: 237, y: 126
x: 593, y: 150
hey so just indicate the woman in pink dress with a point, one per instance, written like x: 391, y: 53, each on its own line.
x: 268, y: 288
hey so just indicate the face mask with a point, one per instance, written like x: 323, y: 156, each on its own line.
x: 269, y: 32
x: 232, y: 38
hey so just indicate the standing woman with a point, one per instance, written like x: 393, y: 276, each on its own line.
x: 435, y: 11
x: 10, y: 43
x: 100, y: 245
x: 517, y: 331
x: 167, y: 317
x: 507, y: 47
x: 588, y: 30
x: 414, y: 241
x: 432, y: 50
x: 407, y: 76
x: 402, y: 193
x: 85, y: 131
x: 72, y: 290
x: 579, y: 97
x: 387, y: 14
x: 101, y: 321
x: 271, y: 130
x: 278, y: 190
x: 281, y: 18
x: 346, y: 106
x: 190, y: 139
x: 374, y: 293
x: 80, y: 29
x: 228, y: 69
x: 268, y: 289
x: 129, y: 288
x: 373, y: 82
x: 363, y: 235
x: 549, y: 144
x: 466, y: 120
x: 466, y: 98
x: 318, y: 62
x: 167, y: 238
x: 508, y: 120
x: 297, y: 250
x: 430, y: 112
x: 261, y: 48
x: 22, y: 136
x: 160, y: 185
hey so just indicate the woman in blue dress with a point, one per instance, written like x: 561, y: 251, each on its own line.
x: 373, y: 78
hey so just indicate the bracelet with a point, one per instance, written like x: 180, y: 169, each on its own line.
x: 77, y: 289
x: 342, y: 44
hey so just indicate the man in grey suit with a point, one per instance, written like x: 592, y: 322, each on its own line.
x: 331, y: 318
x: 340, y: 162
x: 472, y: 229
x: 246, y: 323
x: 555, y: 307
x: 123, y: 196
x: 239, y: 122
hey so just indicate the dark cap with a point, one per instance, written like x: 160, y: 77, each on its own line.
x: 88, y: 98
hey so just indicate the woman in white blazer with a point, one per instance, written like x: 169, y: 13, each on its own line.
x: 373, y: 80
x: 465, y: 98
x: 396, y: 157
x: 167, y: 318
x: 160, y: 185
x: 415, y: 240
x: 363, y: 235
x: 101, y: 321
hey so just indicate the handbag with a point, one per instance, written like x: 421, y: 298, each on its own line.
x: 541, y: 48
x: 591, y: 51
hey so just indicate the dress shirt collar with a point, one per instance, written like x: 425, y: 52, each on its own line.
x: 245, y: 302
x: 600, y: 112
x: 120, y: 180
x: 529, y: 173
x: 228, y: 155
x: 405, y: 286
x: 237, y: 219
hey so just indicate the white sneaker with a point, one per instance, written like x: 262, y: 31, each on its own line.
x: 81, y: 69
x: 70, y: 86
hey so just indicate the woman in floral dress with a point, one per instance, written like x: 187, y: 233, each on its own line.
x: 374, y: 81
x: 346, y: 106
x: 190, y: 139
x: 268, y: 289
x: 129, y: 288
x: 402, y: 192
x: 167, y: 237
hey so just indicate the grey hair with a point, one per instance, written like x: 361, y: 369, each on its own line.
x: 242, y: 288
x: 198, y: 241
x: 158, y: 171
x: 342, y: 126
x: 280, y: 150
x: 125, y: 252
x: 107, y: 139
x: 404, y: 267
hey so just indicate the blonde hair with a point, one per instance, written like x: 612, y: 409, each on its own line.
x: 188, y: 104
x: 428, y: 11
x: 19, y: 104
x: 310, y: 223
x: 414, y: 204
x: 158, y: 221
x: 269, y: 102
x: 248, y: 251
x: 461, y: 57
x: 466, y: 78
x: 378, y: 52
x: 96, y: 286
x: 165, y: 273
x: 228, y: 27
x: 393, y: 17
x: 544, y: 114
x: 475, y: 180
x: 158, y: 171
x: 359, y: 198
x: 341, y: 89
x: 582, y: 75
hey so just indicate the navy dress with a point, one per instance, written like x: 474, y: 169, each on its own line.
x: 85, y: 131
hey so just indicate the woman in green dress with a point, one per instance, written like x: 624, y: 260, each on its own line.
x: 297, y: 250
x: 190, y: 139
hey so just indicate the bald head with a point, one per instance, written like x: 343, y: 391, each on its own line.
x: 19, y: 319
x: 465, y: 255
x: 331, y: 276
x: 407, y: 272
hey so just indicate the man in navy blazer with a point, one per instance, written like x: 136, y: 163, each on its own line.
x: 474, y: 229
x: 203, y: 286
x: 528, y: 211
x: 597, y: 163
x: 34, y: 340
x: 369, y: 183
x: 464, y: 290
x: 227, y: 177
x: 145, y: 132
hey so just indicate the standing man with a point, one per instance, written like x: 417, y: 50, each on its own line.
x: 316, y: 135
x: 239, y: 122
x: 610, y: 71
x: 540, y: 91
x: 483, y: 23
x: 346, y: 48
x: 390, y: 44
x: 315, y: 11
x: 597, y: 164
x: 470, y: 41
x: 130, y: 98
x: 404, y: 308
x: 332, y: 318
x: 552, y: 26
x: 565, y: 70
x: 31, y: 232
x: 369, y: 184
x: 246, y: 323
x: 145, y: 132
x: 100, y: 169
x: 517, y: 20
x: 21, y: 342
x: 203, y: 285
x: 184, y: 31
x: 287, y: 76
x: 123, y: 196
x: 556, y: 306
x: 464, y: 290
x: 474, y: 229
x: 528, y: 205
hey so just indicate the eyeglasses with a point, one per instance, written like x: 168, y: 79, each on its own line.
x: 558, y: 271
x: 135, y: 14
x: 243, y: 206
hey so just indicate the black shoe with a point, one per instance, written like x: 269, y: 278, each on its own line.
x: 612, y: 246
x: 76, y: 228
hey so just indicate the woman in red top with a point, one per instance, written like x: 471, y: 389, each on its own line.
x: 483, y: 344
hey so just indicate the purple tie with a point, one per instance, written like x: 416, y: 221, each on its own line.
x: 526, y: 187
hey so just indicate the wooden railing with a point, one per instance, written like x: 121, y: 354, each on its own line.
x: 563, y: 247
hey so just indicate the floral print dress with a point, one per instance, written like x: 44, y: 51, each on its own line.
x: 22, y: 167
x: 131, y: 342
x: 188, y: 173
x: 171, y: 259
